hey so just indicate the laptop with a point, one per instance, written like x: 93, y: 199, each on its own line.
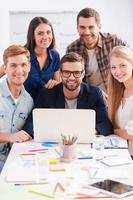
x: 49, y: 124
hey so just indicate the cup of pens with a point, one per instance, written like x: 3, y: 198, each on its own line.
x: 68, y: 148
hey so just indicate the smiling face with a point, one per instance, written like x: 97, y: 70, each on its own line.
x: 121, y: 69
x: 88, y: 30
x: 17, y: 69
x: 71, y: 83
x: 43, y: 36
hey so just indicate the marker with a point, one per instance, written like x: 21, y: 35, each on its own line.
x: 86, y: 157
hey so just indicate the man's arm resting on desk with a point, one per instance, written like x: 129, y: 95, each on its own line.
x: 20, y: 136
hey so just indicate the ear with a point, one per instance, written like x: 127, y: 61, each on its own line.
x: 83, y: 74
x: 4, y: 68
x: 100, y: 26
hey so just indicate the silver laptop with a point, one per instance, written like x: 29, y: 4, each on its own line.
x: 49, y: 124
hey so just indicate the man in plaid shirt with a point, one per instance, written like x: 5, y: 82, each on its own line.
x: 94, y: 47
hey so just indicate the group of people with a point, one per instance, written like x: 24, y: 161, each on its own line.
x: 96, y: 66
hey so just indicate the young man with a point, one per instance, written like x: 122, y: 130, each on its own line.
x: 94, y: 47
x: 15, y: 102
x: 74, y: 94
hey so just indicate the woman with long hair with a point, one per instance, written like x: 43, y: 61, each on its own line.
x: 45, y: 60
x: 120, y: 93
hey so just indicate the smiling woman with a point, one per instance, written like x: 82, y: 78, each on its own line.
x: 45, y: 60
x: 120, y: 93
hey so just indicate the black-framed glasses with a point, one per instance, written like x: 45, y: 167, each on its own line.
x: 67, y: 74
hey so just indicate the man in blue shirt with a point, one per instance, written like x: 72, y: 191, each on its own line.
x: 74, y: 94
x: 15, y: 102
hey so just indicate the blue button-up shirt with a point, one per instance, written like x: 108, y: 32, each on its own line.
x: 37, y: 77
x: 12, y: 115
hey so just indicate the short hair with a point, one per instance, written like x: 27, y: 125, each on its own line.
x: 122, y: 52
x: 15, y: 50
x: 72, y: 57
x: 89, y: 12
x: 35, y: 22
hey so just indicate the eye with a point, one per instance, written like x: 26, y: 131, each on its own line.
x: 82, y: 27
x: 113, y: 67
x: 12, y: 65
x: 24, y: 64
x: 49, y: 32
x: 40, y: 33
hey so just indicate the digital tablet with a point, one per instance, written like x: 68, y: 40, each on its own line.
x: 113, y: 188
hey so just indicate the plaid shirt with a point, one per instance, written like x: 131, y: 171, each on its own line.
x: 105, y: 44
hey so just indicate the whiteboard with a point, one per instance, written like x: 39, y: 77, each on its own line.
x: 63, y: 22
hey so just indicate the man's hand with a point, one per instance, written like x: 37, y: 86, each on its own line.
x: 20, y: 136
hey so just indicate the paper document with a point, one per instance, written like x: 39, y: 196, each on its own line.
x: 116, y: 160
x: 115, y: 142
x: 25, y: 170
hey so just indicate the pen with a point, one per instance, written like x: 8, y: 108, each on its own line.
x: 87, y: 197
x: 30, y: 183
x: 86, y: 157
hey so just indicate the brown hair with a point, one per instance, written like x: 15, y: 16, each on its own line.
x: 71, y: 57
x: 87, y: 13
x: 35, y: 22
x: 15, y: 50
x: 115, y: 88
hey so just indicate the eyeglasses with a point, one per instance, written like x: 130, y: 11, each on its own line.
x: 67, y: 74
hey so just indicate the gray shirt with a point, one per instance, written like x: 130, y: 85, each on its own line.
x: 12, y: 115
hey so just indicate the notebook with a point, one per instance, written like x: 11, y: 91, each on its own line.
x: 49, y: 124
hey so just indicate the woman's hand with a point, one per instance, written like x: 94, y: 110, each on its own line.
x: 51, y: 83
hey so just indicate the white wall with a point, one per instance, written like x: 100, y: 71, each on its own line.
x: 116, y: 15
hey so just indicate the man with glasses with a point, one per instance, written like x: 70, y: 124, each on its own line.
x: 74, y: 94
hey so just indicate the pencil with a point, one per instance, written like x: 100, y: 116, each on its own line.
x: 57, y: 170
x: 27, y: 154
x: 42, y: 194
x: 61, y: 187
x: 57, y: 152
x: 35, y: 150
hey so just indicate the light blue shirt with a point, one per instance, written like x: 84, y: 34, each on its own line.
x: 12, y: 115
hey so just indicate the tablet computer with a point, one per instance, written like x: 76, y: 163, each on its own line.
x: 113, y: 188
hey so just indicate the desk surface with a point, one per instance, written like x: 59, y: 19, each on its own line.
x: 72, y: 174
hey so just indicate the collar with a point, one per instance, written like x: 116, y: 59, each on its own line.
x: 6, y: 91
x: 33, y: 55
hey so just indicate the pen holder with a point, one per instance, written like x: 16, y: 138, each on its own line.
x: 68, y: 153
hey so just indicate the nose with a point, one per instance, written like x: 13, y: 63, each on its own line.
x: 71, y: 76
x: 87, y: 31
x: 19, y: 69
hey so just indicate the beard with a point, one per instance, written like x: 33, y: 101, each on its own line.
x: 71, y: 87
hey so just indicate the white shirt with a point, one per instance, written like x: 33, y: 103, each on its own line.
x: 94, y: 75
x: 125, y: 119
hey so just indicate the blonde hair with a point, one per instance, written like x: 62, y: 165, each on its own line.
x: 15, y: 50
x: 115, y: 88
